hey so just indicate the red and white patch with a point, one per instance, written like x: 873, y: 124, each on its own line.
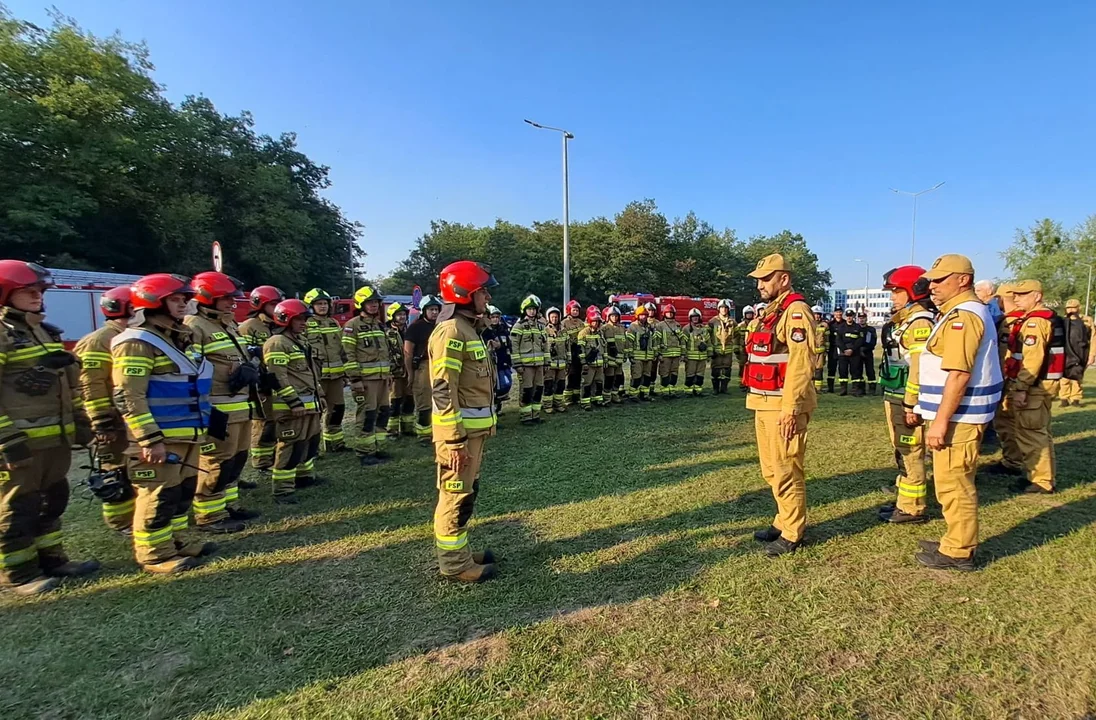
x: 957, y: 326
x: 797, y: 316
x: 1030, y: 340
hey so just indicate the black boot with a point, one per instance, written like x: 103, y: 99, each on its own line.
x: 829, y: 385
x: 844, y: 388
x: 872, y: 389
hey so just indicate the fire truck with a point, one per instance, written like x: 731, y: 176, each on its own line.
x: 73, y: 303
x: 628, y: 302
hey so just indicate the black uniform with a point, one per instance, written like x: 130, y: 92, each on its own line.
x: 1078, y: 339
x: 832, y: 353
x: 504, y: 364
x: 867, y: 355
x: 848, y: 339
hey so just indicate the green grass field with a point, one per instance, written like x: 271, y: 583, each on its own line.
x: 630, y: 587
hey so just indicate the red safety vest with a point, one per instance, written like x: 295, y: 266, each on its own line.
x: 1054, y: 364
x: 765, y: 366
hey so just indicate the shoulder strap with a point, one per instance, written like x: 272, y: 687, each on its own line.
x: 176, y: 356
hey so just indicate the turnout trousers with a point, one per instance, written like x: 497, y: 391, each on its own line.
x: 456, y: 502
x: 32, y: 499
x: 221, y: 463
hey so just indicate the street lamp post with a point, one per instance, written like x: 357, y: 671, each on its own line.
x: 566, y: 212
x: 866, y: 273
x: 1088, y: 292
x: 919, y: 193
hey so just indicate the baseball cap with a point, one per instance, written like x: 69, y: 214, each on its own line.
x: 1023, y: 287
x: 769, y: 264
x: 949, y: 265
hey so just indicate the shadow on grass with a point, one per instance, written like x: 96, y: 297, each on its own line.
x: 1045, y: 527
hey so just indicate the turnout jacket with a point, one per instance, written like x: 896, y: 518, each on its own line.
x: 213, y: 336
x: 96, y: 384
x: 290, y: 361
x: 324, y: 336
x: 366, y: 346
x: 462, y: 379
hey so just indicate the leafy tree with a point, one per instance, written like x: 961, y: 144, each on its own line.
x: 1059, y: 259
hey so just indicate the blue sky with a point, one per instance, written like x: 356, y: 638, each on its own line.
x: 758, y: 116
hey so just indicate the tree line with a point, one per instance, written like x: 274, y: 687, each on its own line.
x: 1059, y: 258
x: 101, y: 172
x: 638, y: 250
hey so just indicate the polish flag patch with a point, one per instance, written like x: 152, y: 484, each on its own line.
x: 957, y: 326
x: 797, y: 316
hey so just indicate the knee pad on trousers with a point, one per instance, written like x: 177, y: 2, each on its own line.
x: 900, y: 462
x: 665, y: 380
x: 424, y: 418
x: 394, y: 407
x: 55, y: 499
x: 526, y: 396
x: 574, y: 381
x: 538, y: 393
x: 313, y: 447
x: 369, y: 422
x: 187, y: 488
x: 673, y: 379
x: 239, y: 462
x: 296, y: 455
x: 647, y: 380
x: 636, y: 382
x: 599, y: 388
x: 224, y: 476
x: 337, y: 414
x: 383, y: 413
x: 561, y: 386
x: 465, y: 508
x: 268, y: 435
x: 170, y: 501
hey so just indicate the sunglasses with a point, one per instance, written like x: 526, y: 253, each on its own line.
x: 937, y: 281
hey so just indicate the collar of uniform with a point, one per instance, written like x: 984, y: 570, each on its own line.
x: 10, y: 314
x: 117, y: 324
x: 167, y: 326
x: 214, y: 314
x: 957, y: 300
x: 775, y: 304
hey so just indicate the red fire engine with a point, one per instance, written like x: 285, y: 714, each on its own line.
x: 627, y: 302
x: 73, y: 302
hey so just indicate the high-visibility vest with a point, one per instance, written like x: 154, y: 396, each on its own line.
x: 894, y: 372
x: 767, y: 357
x: 177, y: 400
x: 983, y: 393
x: 1054, y: 363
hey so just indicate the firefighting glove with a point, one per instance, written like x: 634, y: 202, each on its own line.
x: 613, y: 351
x: 576, y: 356
x: 83, y: 434
x: 591, y: 355
x: 16, y: 453
x: 702, y: 347
x: 243, y: 376
x: 643, y: 342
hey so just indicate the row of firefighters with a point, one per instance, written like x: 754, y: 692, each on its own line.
x: 175, y: 398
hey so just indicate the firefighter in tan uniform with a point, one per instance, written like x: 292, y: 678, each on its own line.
x: 591, y: 348
x: 821, y: 346
x: 416, y: 351
x: 640, y: 351
x: 779, y: 378
x: 960, y: 388
x: 615, y: 343
x: 215, y: 338
x: 402, y: 418
x: 255, y: 331
x: 572, y: 326
x: 742, y: 330
x: 530, y: 352
x: 463, y: 383
x: 164, y: 399
x: 724, y: 342
x: 298, y: 404
x: 41, y: 415
x: 698, y: 349
x: 912, y: 321
x: 1032, y: 371
x: 555, y: 374
x: 97, y: 390
x: 370, y: 373
x: 1004, y: 422
x: 324, y: 335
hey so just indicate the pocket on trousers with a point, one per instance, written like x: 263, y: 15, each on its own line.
x: 1032, y: 418
x: 287, y: 431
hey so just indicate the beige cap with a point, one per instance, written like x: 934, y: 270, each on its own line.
x: 1073, y: 303
x: 1005, y: 289
x: 1023, y: 287
x: 949, y: 265
x: 769, y: 264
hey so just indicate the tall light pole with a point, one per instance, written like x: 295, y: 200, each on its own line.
x: 866, y: 273
x: 566, y: 213
x: 919, y: 193
x: 1088, y: 292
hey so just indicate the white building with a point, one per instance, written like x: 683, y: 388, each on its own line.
x: 878, y: 305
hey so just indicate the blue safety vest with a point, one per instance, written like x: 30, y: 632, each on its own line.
x: 178, y: 400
